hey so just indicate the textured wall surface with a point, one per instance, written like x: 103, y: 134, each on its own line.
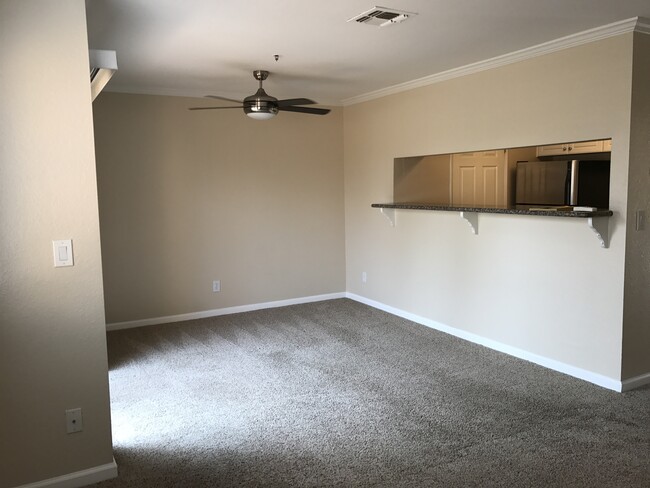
x: 190, y: 197
x: 52, y: 329
x: 542, y: 285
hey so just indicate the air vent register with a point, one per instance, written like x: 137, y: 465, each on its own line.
x: 381, y: 16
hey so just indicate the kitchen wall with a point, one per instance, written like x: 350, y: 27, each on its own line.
x: 423, y: 179
x: 52, y: 330
x: 186, y: 198
x: 538, y: 285
x: 636, y: 334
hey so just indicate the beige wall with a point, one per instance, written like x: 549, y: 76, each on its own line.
x: 52, y: 331
x: 422, y: 179
x: 191, y: 197
x: 636, y: 335
x: 540, y: 284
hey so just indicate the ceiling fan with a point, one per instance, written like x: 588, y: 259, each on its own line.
x: 261, y: 106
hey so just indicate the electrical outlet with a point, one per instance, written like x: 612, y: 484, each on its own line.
x: 216, y: 286
x: 364, y: 277
x: 74, y: 420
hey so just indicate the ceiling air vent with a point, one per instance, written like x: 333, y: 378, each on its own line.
x: 381, y: 16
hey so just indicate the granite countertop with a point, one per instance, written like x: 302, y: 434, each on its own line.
x: 497, y: 210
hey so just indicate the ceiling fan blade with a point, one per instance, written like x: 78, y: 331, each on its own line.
x: 295, y: 101
x: 212, y: 108
x: 223, y: 98
x: 305, y: 110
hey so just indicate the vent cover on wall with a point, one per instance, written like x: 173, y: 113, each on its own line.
x: 381, y: 16
x: 102, y: 66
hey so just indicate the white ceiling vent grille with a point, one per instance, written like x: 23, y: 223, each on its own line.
x: 381, y: 16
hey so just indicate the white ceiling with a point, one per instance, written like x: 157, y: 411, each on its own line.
x: 199, y: 47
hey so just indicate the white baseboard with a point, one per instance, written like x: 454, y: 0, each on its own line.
x: 78, y: 478
x: 579, y: 373
x: 636, y: 382
x: 222, y: 311
x: 583, y: 374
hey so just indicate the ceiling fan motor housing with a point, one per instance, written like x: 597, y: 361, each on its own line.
x: 260, y: 103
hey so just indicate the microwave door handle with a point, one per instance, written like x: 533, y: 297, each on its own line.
x: 574, y: 175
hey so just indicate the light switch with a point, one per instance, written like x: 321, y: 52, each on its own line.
x: 63, y: 253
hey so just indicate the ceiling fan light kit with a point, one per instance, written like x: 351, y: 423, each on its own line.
x: 262, y: 106
x: 260, y: 113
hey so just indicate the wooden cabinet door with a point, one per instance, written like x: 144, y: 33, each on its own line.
x: 552, y: 150
x: 479, y: 179
x: 570, y: 148
x: 585, y: 147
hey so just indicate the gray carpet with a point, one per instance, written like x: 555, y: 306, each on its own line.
x: 339, y: 394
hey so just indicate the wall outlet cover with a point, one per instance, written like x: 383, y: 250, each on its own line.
x: 74, y: 420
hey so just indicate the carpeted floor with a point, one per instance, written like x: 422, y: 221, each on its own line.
x: 339, y: 394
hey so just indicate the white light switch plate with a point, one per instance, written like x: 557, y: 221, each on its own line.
x: 62, y: 253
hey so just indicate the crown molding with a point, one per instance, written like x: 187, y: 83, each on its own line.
x: 642, y: 25
x: 635, y: 24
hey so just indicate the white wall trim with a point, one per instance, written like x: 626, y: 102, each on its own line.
x: 636, y: 382
x: 579, y: 373
x: 583, y: 374
x: 635, y: 24
x: 221, y: 311
x: 78, y: 478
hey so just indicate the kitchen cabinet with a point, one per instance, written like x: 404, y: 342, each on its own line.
x: 479, y: 178
x: 569, y: 148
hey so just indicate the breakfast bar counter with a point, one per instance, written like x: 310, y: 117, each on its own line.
x: 597, y: 220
